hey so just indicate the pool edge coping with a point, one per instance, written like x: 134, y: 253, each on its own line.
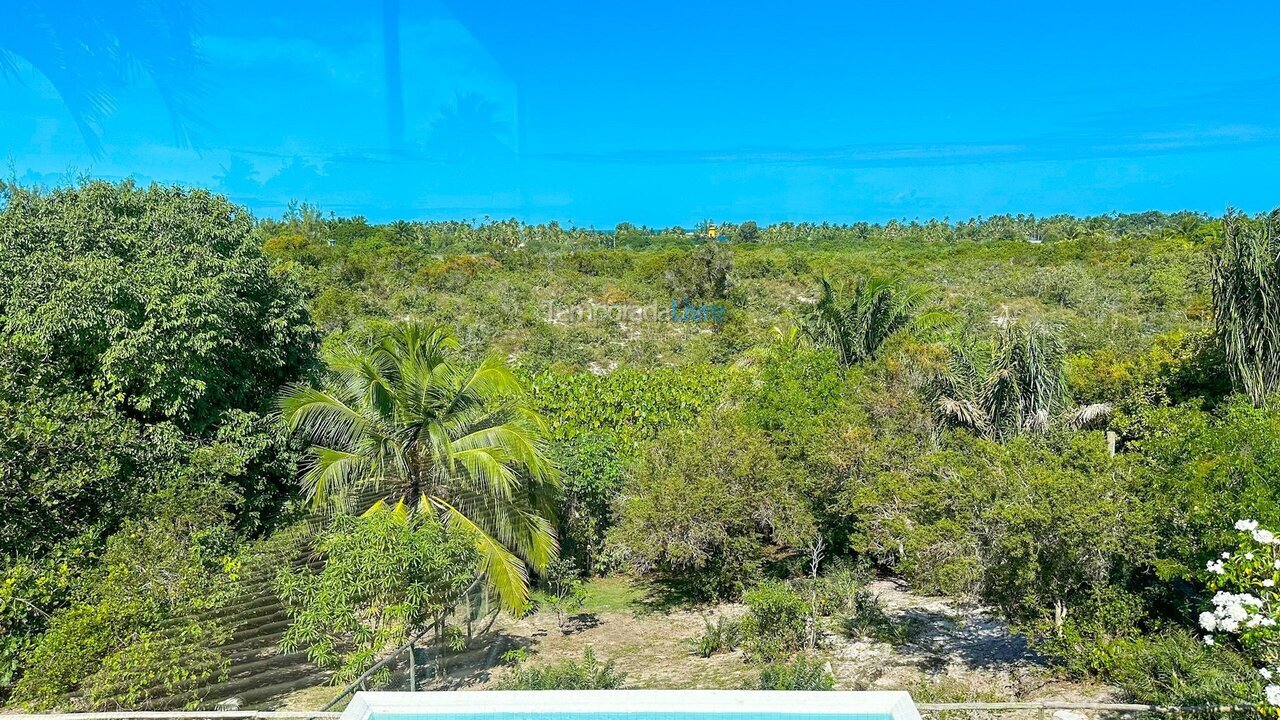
x: 895, y: 703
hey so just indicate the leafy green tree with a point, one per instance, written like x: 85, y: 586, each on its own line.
x: 705, y: 504
x: 72, y: 467
x: 1246, y: 301
x: 593, y: 471
x: 401, y: 418
x: 857, y: 324
x: 157, y: 299
x: 134, y: 634
x: 704, y: 274
x: 387, y: 574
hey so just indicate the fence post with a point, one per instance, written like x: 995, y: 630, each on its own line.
x: 413, y: 669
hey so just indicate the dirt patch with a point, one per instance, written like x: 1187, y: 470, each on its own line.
x: 946, y: 653
x: 950, y: 654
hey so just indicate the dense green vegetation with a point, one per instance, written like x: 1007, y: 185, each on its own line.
x: 1062, y: 418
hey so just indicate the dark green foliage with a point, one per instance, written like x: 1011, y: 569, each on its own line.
x: 1175, y: 668
x: 586, y: 674
x: 388, y: 573
x: 157, y: 299
x: 801, y: 673
x: 129, y: 635
x: 71, y: 466
x: 703, y: 274
x: 1203, y: 470
x: 142, y: 334
x: 592, y: 470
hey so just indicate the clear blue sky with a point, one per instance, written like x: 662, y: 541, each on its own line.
x: 658, y: 112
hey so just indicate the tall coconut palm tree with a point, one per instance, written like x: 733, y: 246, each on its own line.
x: 1246, y: 302
x: 857, y: 325
x: 402, y: 419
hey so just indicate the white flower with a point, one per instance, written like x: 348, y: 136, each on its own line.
x: 1266, y: 537
x: 1208, y: 621
x: 1273, y: 694
x: 1265, y: 673
x: 1215, y: 567
x: 1227, y: 556
x: 1208, y: 639
x: 1246, y: 525
x: 1268, y: 583
x: 1248, y: 556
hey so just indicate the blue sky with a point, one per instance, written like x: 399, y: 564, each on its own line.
x: 658, y: 113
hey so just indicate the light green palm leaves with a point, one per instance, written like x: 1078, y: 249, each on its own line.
x: 1011, y: 384
x: 398, y: 420
x: 1246, y: 302
x: 858, y: 323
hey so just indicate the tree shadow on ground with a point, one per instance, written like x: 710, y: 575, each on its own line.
x: 665, y: 594
x: 472, y: 665
x: 977, y: 641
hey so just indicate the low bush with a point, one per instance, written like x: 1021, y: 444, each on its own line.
x: 722, y: 636
x: 866, y: 618
x: 777, y: 622
x: 800, y: 674
x: 1176, y: 668
x: 587, y: 674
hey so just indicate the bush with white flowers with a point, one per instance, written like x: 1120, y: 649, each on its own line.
x: 1246, y: 603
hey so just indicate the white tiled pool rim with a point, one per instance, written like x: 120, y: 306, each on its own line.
x: 897, y: 705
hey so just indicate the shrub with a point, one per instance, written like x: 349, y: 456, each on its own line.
x: 799, y: 674
x: 1177, y: 669
x: 708, y: 505
x: 135, y: 635
x: 777, y: 622
x: 721, y: 636
x: 567, y: 591
x: 587, y: 674
x: 867, y: 618
x: 388, y: 572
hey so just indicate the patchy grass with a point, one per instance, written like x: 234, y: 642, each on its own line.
x: 614, y: 594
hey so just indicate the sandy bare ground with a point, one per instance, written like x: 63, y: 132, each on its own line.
x: 953, y: 654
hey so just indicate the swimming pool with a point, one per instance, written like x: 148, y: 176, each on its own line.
x: 632, y: 705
